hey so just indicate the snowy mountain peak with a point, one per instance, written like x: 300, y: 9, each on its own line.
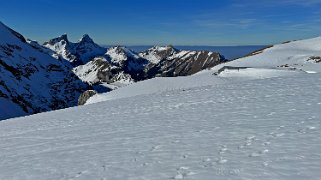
x: 121, y: 53
x: 77, y: 53
x: 158, y: 53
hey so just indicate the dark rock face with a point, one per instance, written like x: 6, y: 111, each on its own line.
x: 185, y: 64
x: 85, y: 96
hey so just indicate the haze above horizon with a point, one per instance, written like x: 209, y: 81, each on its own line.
x: 177, y: 22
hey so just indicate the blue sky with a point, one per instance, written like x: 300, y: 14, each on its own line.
x: 177, y: 22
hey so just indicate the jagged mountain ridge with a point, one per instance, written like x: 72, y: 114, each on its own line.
x: 77, y: 53
x: 31, y: 80
x: 121, y: 62
x: 183, y: 63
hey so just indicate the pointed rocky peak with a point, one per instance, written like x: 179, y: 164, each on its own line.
x: 64, y: 37
x: 86, y: 39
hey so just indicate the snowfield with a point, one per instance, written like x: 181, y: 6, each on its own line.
x: 261, y: 122
x: 260, y: 129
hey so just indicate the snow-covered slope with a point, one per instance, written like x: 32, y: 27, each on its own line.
x: 77, y: 53
x: 281, y: 60
x: 296, y: 55
x: 261, y: 122
x: 258, y: 129
x: 31, y: 80
x: 205, y: 78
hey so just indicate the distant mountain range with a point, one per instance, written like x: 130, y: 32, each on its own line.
x: 229, y: 52
x: 36, y: 78
x: 118, y: 64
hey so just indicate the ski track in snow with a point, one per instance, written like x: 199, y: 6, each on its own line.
x: 259, y: 129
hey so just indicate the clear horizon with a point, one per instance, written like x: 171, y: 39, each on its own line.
x: 176, y: 22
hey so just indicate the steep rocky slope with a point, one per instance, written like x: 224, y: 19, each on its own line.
x: 173, y: 62
x: 31, y: 80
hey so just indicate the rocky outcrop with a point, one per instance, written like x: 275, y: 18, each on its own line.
x: 85, y: 96
x: 315, y: 59
x: 185, y: 63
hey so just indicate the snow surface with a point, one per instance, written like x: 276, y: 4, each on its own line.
x: 257, y: 123
x: 259, y: 129
x: 294, y: 54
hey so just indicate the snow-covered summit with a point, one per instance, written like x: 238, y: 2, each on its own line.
x: 158, y: 53
x: 77, y: 53
x: 119, y: 54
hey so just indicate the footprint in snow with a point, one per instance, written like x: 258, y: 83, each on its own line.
x: 183, y: 172
x: 306, y: 130
x: 258, y: 154
x: 223, y: 150
x: 155, y: 148
x: 248, y: 142
x: 275, y: 135
x: 221, y: 161
x: 266, y: 143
